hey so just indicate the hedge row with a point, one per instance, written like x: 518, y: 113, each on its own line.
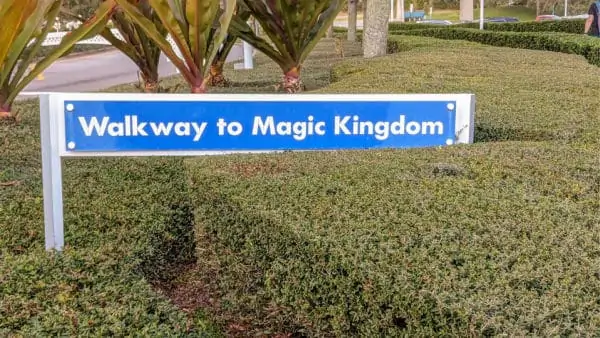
x: 490, y: 239
x: 422, y: 242
x: 574, y: 26
x: 588, y: 47
x: 513, y: 103
x: 127, y: 222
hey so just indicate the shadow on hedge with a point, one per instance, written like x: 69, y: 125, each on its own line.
x: 490, y: 133
x: 270, y: 268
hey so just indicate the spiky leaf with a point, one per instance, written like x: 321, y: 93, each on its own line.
x: 221, y: 31
x: 90, y: 28
x: 293, y: 26
x: 150, y: 28
x: 190, y: 24
x: 14, y: 16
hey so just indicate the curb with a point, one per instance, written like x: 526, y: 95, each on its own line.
x: 89, y: 52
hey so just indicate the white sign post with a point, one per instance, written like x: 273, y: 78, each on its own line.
x: 51, y: 171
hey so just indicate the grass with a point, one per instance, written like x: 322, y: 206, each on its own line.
x: 521, y: 13
x: 498, y: 237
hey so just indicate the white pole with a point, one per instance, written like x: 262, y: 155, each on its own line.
x: 481, y: 4
x: 248, y: 62
x: 566, y: 4
x: 52, y: 172
x: 391, y: 10
x: 248, y: 59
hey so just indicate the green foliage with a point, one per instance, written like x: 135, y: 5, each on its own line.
x: 197, y: 27
x: 424, y: 242
x: 84, y: 8
x: 574, y: 26
x: 586, y: 46
x: 30, y: 21
x: 216, y: 70
x: 136, y: 44
x: 536, y: 98
x: 127, y: 222
x: 293, y: 30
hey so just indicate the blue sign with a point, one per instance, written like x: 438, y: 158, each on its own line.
x: 254, y: 125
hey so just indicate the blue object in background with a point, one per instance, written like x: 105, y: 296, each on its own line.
x: 145, y: 126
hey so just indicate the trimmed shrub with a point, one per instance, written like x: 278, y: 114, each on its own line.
x: 541, y: 96
x: 421, y: 242
x: 490, y: 239
x: 588, y: 47
x: 487, y: 239
x: 128, y: 222
x: 574, y: 26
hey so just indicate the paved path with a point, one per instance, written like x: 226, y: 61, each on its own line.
x: 94, y: 72
x: 343, y: 22
x: 97, y: 71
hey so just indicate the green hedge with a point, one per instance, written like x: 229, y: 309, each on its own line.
x: 586, y: 46
x: 486, y: 239
x: 128, y: 222
x: 574, y: 26
x: 540, y: 96
x: 494, y: 238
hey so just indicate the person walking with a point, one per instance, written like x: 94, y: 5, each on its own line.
x: 592, y: 24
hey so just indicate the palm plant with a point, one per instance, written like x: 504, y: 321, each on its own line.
x: 197, y: 27
x: 26, y: 23
x: 136, y: 44
x: 293, y: 27
x: 217, y: 78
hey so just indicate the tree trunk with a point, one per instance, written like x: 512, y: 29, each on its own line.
x: 364, y: 8
x: 330, y: 31
x: 376, y: 28
x: 537, y: 7
x: 5, y: 108
x: 352, y: 20
x: 291, y: 81
x: 151, y: 85
x: 148, y: 82
x: 199, y: 87
x: 217, y: 79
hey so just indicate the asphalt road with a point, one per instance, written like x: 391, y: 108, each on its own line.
x: 97, y: 71
x: 94, y: 72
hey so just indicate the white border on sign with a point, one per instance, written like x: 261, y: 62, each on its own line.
x: 53, y: 143
x: 464, y: 123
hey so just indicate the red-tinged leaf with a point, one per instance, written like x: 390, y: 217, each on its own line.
x: 14, y: 16
x: 165, y: 12
x: 153, y: 33
x: 103, y: 14
x: 221, y: 32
